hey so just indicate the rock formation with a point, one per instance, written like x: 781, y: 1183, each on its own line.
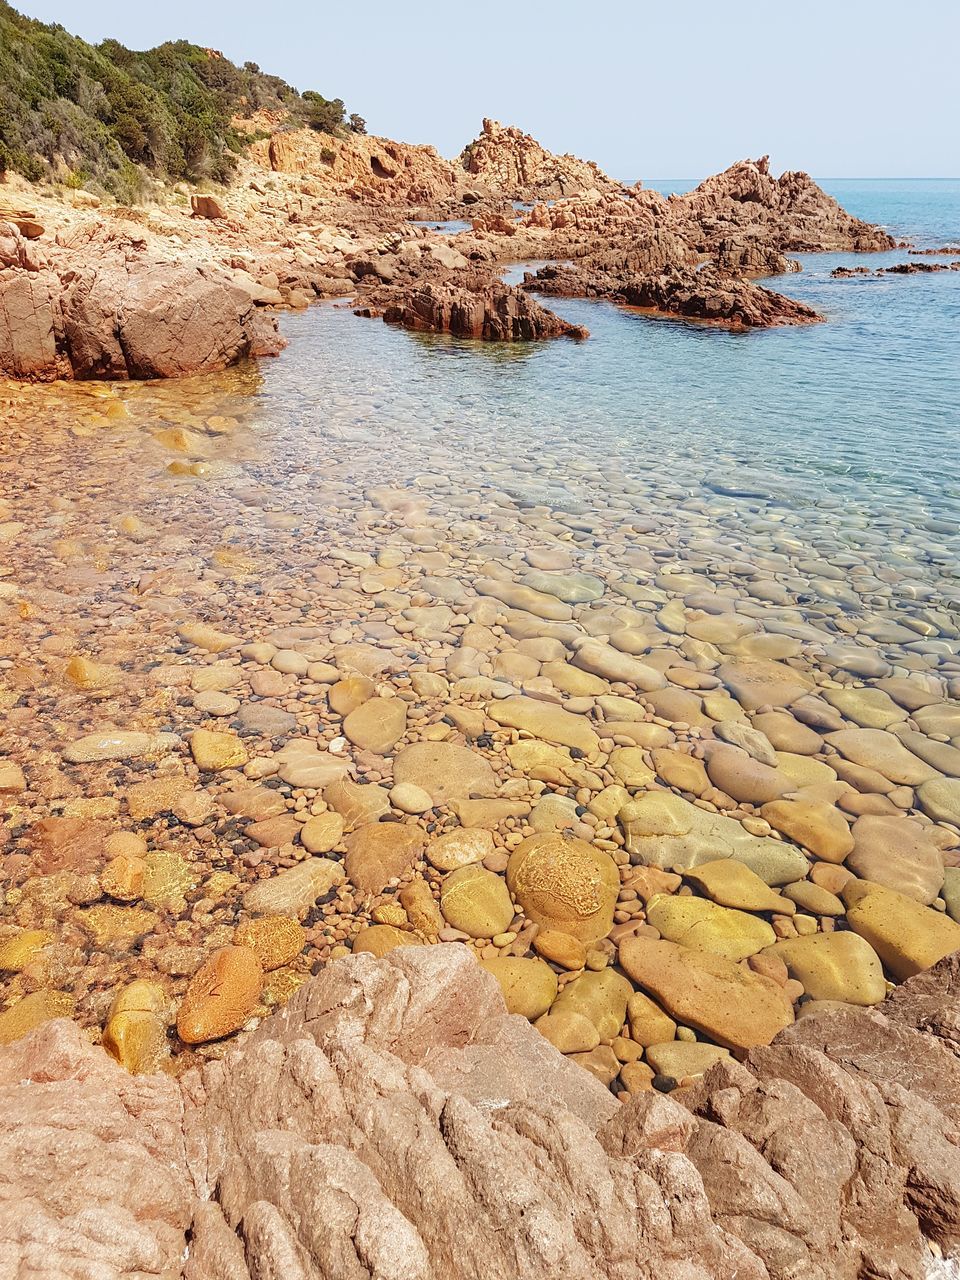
x: 491, y: 311
x: 509, y: 162
x: 790, y: 213
x: 101, y: 307
x: 708, y: 293
x: 394, y: 1121
x: 365, y: 169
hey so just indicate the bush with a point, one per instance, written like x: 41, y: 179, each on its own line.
x: 117, y: 116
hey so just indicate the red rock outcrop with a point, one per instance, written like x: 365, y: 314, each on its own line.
x: 507, y: 161
x: 362, y: 168
x: 93, y: 1172
x: 790, y: 213
x: 708, y: 293
x: 101, y: 306
x: 492, y: 311
x: 394, y: 1121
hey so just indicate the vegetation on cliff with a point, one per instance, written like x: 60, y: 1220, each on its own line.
x: 106, y: 117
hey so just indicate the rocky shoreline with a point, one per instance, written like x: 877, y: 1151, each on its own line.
x: 127, y: 293
x: 393, y: 1121
x: 506, y: 857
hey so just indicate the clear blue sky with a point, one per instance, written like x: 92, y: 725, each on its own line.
x: 678, y: 88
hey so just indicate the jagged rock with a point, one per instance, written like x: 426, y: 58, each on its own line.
x: 511, y: 163
x: 489, y: 310
x: 708, y: 293
x: 791, y: 212
x: 393, y: 1120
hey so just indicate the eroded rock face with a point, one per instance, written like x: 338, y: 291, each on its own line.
x: 791, y: 212
x: 511, y: 163
x: 469, y: 305
x: 394, y: 1121
x: 101, y: 307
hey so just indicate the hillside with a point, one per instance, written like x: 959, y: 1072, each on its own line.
x: 109, y: 118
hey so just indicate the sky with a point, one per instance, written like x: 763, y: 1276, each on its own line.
x: 673, y: 89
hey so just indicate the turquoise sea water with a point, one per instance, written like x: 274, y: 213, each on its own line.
x: 863, y: 410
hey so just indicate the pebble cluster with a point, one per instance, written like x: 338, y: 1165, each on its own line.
x: 676, y: 774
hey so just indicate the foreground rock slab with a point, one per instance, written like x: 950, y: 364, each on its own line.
x: 395, y: 1121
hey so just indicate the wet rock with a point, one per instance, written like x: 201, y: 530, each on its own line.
x: 705, y: 926
x: 476, y: 902
x: 729, y: 1003
x: 899, y: 854
x: 529, y: 986
x: 907, y: 936
x: 600, y: 997
x: 565, y: 884
x: 380, y: 852
x: 291, y: 892
x: 834, y: 966
x: 221, y: 995
x: 213, y: 751
x: 818, y: 826
x: 377, y: 725
x: 119, y: 746
x: 444, y: 770
x: 731, y: 884
x: 543, y: 721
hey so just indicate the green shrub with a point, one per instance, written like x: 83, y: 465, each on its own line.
x: 116, y: 115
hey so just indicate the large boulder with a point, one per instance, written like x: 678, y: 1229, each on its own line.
x: 99, y: 308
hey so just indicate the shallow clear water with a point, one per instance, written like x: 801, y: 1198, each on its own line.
x: 795, y: 490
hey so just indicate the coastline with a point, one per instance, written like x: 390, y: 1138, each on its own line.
x: 312, y: 684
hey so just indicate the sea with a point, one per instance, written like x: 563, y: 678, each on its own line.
x: 862, y: 410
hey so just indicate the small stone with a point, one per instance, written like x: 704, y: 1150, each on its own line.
x: 560, y: 948
x: 12, y: 780
x: 135, y: 1033
x: 460, y: 848
x: 213, y: 751
x: 119, y: 746
x: 36, y: 1008
x: 648, y: 1022
x: 377, y: 725
x: 817, y: 826
x: 444, y: 770
x: 680, y: 1059
x: 381, y: 852
x: 378, y: 939
x: 602, y: 997
x: 568, y: 1031
x: 704, y: 926
x: 221, y: 995
x: 322, y: 833
x: 123, y: 877
x: 726, y: 1001
x: 421, y: 908
x: 22, y: 949
x: 907, y: 936
x: 409, y: 798
x: 476, y: 902
x: 298, y: 889
x: 834, y: 966
x: 565, y: 884
x: 529, y: 986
